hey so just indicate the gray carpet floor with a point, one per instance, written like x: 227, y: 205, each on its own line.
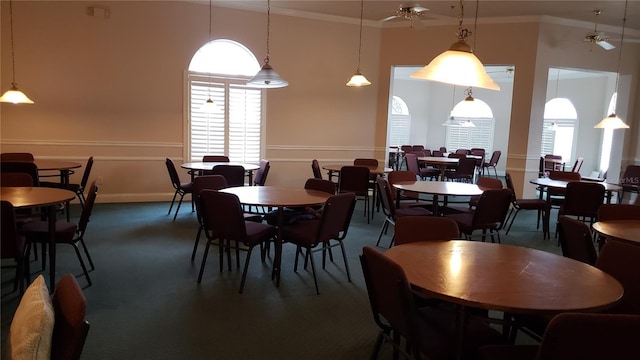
x: 145, y: 302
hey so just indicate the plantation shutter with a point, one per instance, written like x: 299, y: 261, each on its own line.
x: 399, y: 129
x: 480, y: 136
x: 548, y: 138
x: 244, y: 124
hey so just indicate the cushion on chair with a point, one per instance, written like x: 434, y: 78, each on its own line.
x: 304, y: 232
x: 32, y: 325
x: 38, y: 231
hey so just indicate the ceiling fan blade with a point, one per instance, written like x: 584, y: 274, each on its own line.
x: 605, y: 45
x: 389, y: 18
x: 419, y: 9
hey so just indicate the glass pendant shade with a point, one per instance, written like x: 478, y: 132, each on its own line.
x: 468, y: 123
x: 267, y: 78
x: 358, y: 80
x: 457, y: 66
x: 210, y: 106
x: 451, y: 121
x: 472, y: 108
x: 15, y: 96
x: 611, y: 122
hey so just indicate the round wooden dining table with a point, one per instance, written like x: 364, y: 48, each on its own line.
x: 504, y: 278
x: 436, y: 188
x: 440, y: 162
x: 374, y: 170
x: 545, y: 182
x: 30, y: 197
x: 199, y: 167
x: 278, y: 197
x: 623, y: 230
x: 63, y: 167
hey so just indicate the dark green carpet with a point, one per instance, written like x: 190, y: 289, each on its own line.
x: 145, y: 302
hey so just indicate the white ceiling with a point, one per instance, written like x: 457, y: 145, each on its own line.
x: 578, y: 12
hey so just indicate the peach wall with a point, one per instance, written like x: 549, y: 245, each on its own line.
x: 114, y: 88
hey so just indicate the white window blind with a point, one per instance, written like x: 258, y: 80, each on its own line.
x: 400, y: 128
x: 560, y: 140
x: 235, y: 130
x: 480, y: 136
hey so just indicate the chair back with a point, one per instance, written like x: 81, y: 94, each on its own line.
x: 261, y: 175
x: 406, y: 148
x: 583, y: 199
x: 321, y: 185
x: 336, y: 217
x: 87, y: 172
x: 223, y: 215
x: 315, y: 166
x: 484, y: 182
x: 173, y: 174
x: 457, y: 155
x: 495, y: 156
x: 233, y: 174
x: 87, y: 208
x: 631, y: 175
x: 438, y: 153
x: 20, y: 157
x: 365, y: 162
x: 424, y: 228
x: 577, y: 165
x: 590, y: 336
x: 71, y: 328
x: 21, y: 167
x: 417, y: 147
x: 386, y: 197
x: 389, y: 293
x: 466, y: 168
x: 463, y: 151
x: 12, y: 243
x: 354, y: 179
x: 564, y: 175
x: 17, y: 179
x: 399, y: 176
x: 619, y: 259
x: 576, y: 241
x: 618, y: 212
x: 211, y: 182
x: 426, y: 152
x: 412, y: 163
x: 443, y: 149
x: 550, y: 165
x: 492, y: 208
x: 215, y: 158
x: 478, y: 152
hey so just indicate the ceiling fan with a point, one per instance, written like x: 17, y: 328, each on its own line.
x: 598, y: 37
x: 410, y: 13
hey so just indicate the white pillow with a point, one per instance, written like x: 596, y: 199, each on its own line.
x: 32, y: 325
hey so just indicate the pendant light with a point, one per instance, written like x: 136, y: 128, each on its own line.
x: 267, y: 77
x: 14, y: 95
x: 358, y: 79
x: 468, y: 108
x: 210, y: 106
x: 613, y: 121
x: 451, y: 120
x: 554, y: 126
x: 458, y: 65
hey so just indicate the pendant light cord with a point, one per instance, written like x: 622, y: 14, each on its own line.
x: 266, y: 60
x: 360, y: 43
x: 624, y: 20
x: 13, y: 55
x: 475, y: 24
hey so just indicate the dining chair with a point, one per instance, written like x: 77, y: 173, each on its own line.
x: 21, y: 167
x: 372, y: 177
x: 37, y: 232
x: 407, y: 198
x: 224, y: 221
x: 413, y: 228
x: 261, y: 174
x: 489, y: 216
x: 582, y: 199
x: 212, y: 158
x: 320, y: 185
x: 77, y: 188
x: 181, y: 188
x: 555, y: 196
x: 315, y: 167
x: 333, y: 224
x: 17, y: 179
x: 480, y: 153
x: 608, y: 212
x: 464, y: 172
x: 630, y: 181
x: 551, y: 165
x: 492, y: 163
x: 576, y: 336
x: 389, y: 208
x: 575, y: 240
x: 70, y: 328
x: 484, y: 183
x: 577, y: 165
x: 463, y: 151
x: 355, y: 179
x: 234, y: 174
x: 426, y: 330
x: 540, y: 205
x: 423, y: 172
x: 616, y: 258
x: 211, y: 182
x: 13, y: 245
x: 20, y: 157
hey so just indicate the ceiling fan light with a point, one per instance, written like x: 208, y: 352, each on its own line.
x: 611, y: 122
x: 457, y: 66
x: 358, y: 80
x: 267, y: 78
x: 15, y: 96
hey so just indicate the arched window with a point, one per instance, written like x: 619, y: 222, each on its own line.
x: 473, y: 126
x: 400, y: 123
x: 219, y: 71
x: 560, y: 120
x: 607, y: 137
